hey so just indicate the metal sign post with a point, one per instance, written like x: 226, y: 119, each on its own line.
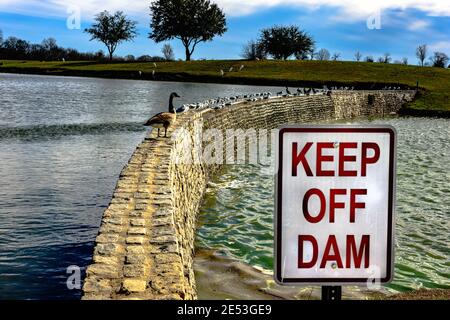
x: 331, y: 293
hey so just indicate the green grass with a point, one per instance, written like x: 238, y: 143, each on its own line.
x: 434, y: 97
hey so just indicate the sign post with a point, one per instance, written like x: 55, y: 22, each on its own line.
x: 331, y: 293
x: 335, y: 188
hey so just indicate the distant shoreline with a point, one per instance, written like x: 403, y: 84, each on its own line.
x: 430, y: 103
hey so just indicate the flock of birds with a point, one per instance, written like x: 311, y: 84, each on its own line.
x: 153, y: 71
x: 166, y: 119
x: 222, y: 72
x: 221, y: 102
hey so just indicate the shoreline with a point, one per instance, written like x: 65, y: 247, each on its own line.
x: 131, y: 71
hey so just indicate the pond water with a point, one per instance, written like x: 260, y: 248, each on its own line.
x: 236, y: 220
x: 63, y: 143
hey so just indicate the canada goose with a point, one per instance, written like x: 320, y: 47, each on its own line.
x: 288, y: 92
x: 164, y: 119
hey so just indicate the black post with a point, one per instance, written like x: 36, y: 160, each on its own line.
x: 331, y: 293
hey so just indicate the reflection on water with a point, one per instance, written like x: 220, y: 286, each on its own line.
x: 63, y: 143
x: 236, y: 219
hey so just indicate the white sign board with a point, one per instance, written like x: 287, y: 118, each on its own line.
x: 334, y: 204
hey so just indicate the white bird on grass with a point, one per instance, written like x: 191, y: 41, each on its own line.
x: 241, y: 68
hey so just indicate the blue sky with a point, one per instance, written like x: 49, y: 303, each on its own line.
x: 339, y: 26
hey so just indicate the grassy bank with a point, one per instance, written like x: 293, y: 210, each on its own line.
x: 433, y: 98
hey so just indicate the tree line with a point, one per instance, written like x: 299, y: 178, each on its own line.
x: 13, y: 48
x: 283, y: 42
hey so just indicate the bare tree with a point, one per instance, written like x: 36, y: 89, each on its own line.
x: 323, y: 55
x: 336, y: 56
x: 358, y: 56
x: 168, y: 53
x: 253, y: 50
x: 421, y: 53
x: 386, y: 58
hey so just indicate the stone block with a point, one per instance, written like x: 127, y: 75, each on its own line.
x: 135, y: 240
x: 134, y: 285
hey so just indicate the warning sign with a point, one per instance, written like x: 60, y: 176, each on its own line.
x: 334, y: 204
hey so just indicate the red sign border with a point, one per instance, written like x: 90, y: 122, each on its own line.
x: 391, y: 203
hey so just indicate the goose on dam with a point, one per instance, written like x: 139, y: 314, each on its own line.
x: 164, y: 119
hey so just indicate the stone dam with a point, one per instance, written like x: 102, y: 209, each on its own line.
x: 145, y: 245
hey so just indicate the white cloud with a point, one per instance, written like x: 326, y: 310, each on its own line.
x: 418, y: 25
x: 441, y: 46
x: 350, y: 9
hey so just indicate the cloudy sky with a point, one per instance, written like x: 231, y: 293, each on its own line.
x: 339, y: 26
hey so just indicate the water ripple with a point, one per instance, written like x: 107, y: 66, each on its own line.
x: 237, y: 215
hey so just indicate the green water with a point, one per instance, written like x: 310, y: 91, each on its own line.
x: 236, y: 219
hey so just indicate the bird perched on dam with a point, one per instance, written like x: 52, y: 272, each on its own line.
x: 164, y: 119
x: 183, y: 108
x: 288, y: 92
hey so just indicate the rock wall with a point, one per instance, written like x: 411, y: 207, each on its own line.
x: 145, y: 245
